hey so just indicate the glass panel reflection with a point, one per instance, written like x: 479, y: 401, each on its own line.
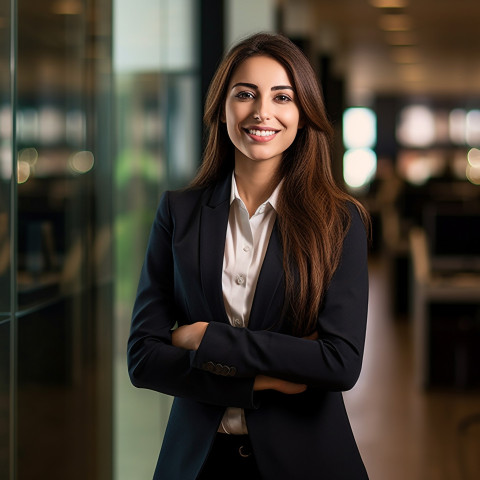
x: 55, y: 424
x: 4, y: 398
x: 6, y: 128
x: 159, y: 110
x: 6, y: 166
x: 64, y: 275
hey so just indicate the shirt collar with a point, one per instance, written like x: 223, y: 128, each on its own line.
x: 272, y: 199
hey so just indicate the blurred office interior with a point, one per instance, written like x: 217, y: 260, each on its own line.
x: 100, y: 112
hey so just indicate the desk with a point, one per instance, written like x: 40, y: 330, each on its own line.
x: 442, y: 296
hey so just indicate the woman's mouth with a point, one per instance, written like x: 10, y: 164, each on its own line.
x: 261, y: 134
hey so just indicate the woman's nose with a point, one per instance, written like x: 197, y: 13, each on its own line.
x: 261, y: 112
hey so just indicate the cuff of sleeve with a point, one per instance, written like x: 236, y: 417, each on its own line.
x: 214, y: 352
x: 207, y: 360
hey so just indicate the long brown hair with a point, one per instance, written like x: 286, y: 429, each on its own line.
x: 313, y: 215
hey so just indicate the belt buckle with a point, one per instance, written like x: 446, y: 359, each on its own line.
x: 244, y: 451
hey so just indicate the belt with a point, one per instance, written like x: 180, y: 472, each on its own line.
x: 239, y: 443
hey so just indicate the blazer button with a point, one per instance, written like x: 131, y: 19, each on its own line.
x: 225, y: 371
x: 209, y: 366
x: 232, y: 372
x: 218, y: 369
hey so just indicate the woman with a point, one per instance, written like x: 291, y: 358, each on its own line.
x: 261, y: 265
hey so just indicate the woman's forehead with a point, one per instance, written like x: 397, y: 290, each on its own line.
x: 261, y: 69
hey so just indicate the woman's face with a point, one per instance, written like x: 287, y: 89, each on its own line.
x: 261, y: 111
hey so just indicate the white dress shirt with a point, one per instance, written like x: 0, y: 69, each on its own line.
x: 245, y: 247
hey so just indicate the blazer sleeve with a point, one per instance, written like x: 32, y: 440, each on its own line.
x: 153, y: 362
x: 333, y: 362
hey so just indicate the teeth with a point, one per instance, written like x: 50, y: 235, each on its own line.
x: 262, y: 133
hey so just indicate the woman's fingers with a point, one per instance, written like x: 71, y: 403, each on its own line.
x: 263, y: 382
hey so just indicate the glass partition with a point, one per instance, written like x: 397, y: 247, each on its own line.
x: 6, y: 143
x: 158, y: 114
x: 6, y: 307
x: 64, y: 242
x: 64, y: 157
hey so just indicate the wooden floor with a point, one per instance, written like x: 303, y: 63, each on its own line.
x: 404, y: 433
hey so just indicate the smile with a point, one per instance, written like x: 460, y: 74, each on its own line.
x: 262, y: 133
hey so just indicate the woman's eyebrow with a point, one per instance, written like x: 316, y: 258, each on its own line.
x: 282, y: 87
x: 255, y: 87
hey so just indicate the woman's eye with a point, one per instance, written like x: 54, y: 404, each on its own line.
x: 283, y: 98
x: 244, y: 95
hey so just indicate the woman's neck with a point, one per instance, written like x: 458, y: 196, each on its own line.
x: 255, y: 184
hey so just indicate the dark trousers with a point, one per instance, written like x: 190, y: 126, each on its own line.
x: 231, y: 457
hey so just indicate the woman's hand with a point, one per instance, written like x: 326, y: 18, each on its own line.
x: 190, y: 336
x: 262, y: 382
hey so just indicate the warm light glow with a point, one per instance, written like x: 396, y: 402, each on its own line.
x: 67, y: 7
x: 473, y: 174
x: 389, y: 3
x: 457, y: 126
x: 419, y: 172
x: 417, y: 167
x: 23, y: 171
x: 82, y: 162
x: 474, y: 157
x: 359, y: 128
x: 416, y: 126
x: 473, y: 128
x: 359, y: 167
x: 28, y: 155
x: 395, y: 23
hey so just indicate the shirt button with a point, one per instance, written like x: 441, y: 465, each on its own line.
x: 246, y: 248
x: 240, y: 280
x: 261, y: 209
x: 237, y: 322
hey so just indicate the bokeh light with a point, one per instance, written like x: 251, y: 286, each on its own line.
x: 359, y: 167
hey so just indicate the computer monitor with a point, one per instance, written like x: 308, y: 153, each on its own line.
x: 453, y: 235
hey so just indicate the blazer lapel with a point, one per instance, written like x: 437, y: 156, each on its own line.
x: 269, y: 296
x: 213, y: 228
x: 268, y: 300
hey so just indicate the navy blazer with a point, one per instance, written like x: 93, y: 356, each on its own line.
x: 305, y: 436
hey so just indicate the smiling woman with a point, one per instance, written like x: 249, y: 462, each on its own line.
x: 241, y: 261
x: 261, y: 114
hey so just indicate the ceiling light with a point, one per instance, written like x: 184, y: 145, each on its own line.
x: 67, y: 7
x: 389, y: 3
x: 395, y: 23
